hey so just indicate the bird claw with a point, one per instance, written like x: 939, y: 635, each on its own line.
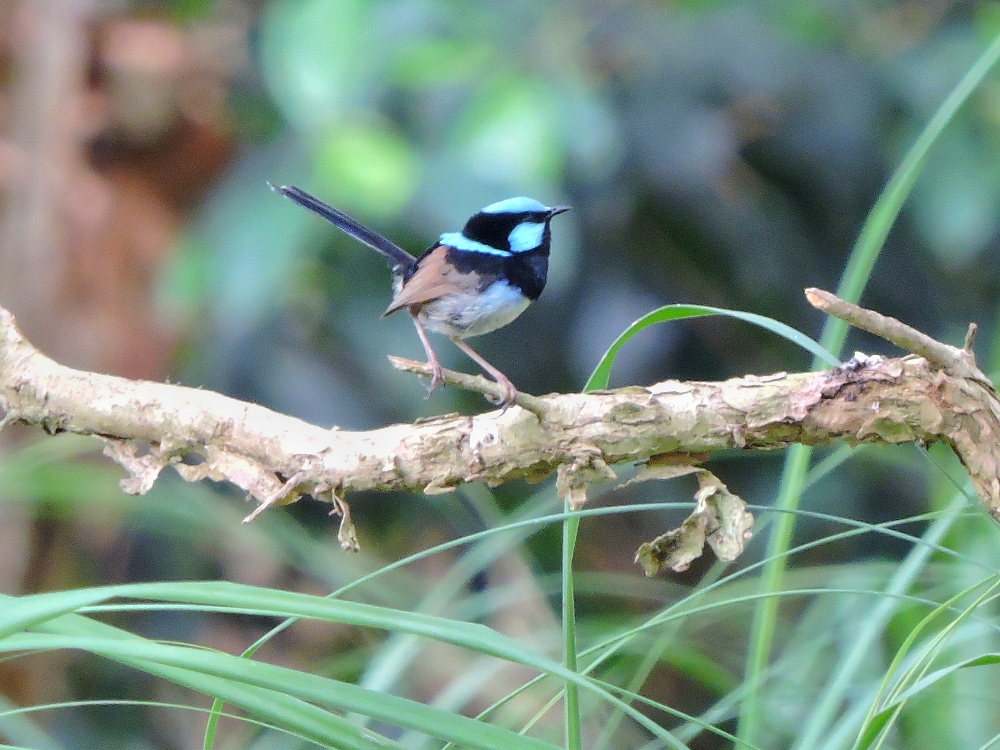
x: 509, y: 394
x: 437, y: 377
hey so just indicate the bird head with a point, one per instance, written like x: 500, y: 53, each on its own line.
x: 505, y: 228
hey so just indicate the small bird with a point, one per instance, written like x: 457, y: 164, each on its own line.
x: 467, y: 283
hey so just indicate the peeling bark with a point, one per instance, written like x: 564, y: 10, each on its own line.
x: 276, y: 458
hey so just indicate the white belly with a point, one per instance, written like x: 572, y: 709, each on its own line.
x: 465, y: 315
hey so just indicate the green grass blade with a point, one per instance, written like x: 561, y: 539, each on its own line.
x: 817, y: 726
x: 890, y: 202
x: 17, y: 726
x: 22, y: 613
x: 878, y: 721
x: 256, y: 685
x: 772, y: 579
x: 571, y: 698
x: 242, y: 599
x: 278, y: 709
x: 602, y: 372
x: 859, y: 268
x: 599, y: 378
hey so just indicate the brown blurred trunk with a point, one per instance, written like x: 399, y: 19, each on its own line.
x: 50, y: 67
x: 50, y: 53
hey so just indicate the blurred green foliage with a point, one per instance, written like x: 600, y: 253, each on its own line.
x: 720, y: 153
x: 716, y: 152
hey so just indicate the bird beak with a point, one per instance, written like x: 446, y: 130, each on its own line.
x: 558, y: 210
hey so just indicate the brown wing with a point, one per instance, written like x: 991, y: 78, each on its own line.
x: 433, y: 279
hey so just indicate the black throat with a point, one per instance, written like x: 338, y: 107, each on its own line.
x: 526, y: 270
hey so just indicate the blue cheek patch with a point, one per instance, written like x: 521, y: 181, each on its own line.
x: 459, y: 241
x: 525, y: 236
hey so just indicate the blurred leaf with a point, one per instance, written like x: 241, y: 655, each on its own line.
x: 256, y: 239
x: 439, y: 62
x: 255, y: 118
x: 813, y: 23
x: 367, y: 167
x: 186, y: 282
x: 988, y: 19
x: 957, y: 201
x: 315, y: 56
x: 188, y: 10
x: 700, y: 5
x: 596, y: 143
x: 510, y: 132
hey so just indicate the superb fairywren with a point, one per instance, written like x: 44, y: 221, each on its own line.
x: 467, y: 283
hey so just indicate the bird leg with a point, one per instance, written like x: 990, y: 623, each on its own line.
x: 437, y: 376
x: 509, y: 391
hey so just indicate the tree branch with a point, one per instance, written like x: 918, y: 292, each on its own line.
x: 276, y: 458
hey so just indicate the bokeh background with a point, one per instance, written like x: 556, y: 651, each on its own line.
x: 714, y: 151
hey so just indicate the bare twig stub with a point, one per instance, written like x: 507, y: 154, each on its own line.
x: 276, y: 458
x: 961, y: 362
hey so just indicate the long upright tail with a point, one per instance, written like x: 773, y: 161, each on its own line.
x: 398, y: 258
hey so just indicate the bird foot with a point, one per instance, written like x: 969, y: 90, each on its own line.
x: 509, y: 394
x: 437, y: 376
